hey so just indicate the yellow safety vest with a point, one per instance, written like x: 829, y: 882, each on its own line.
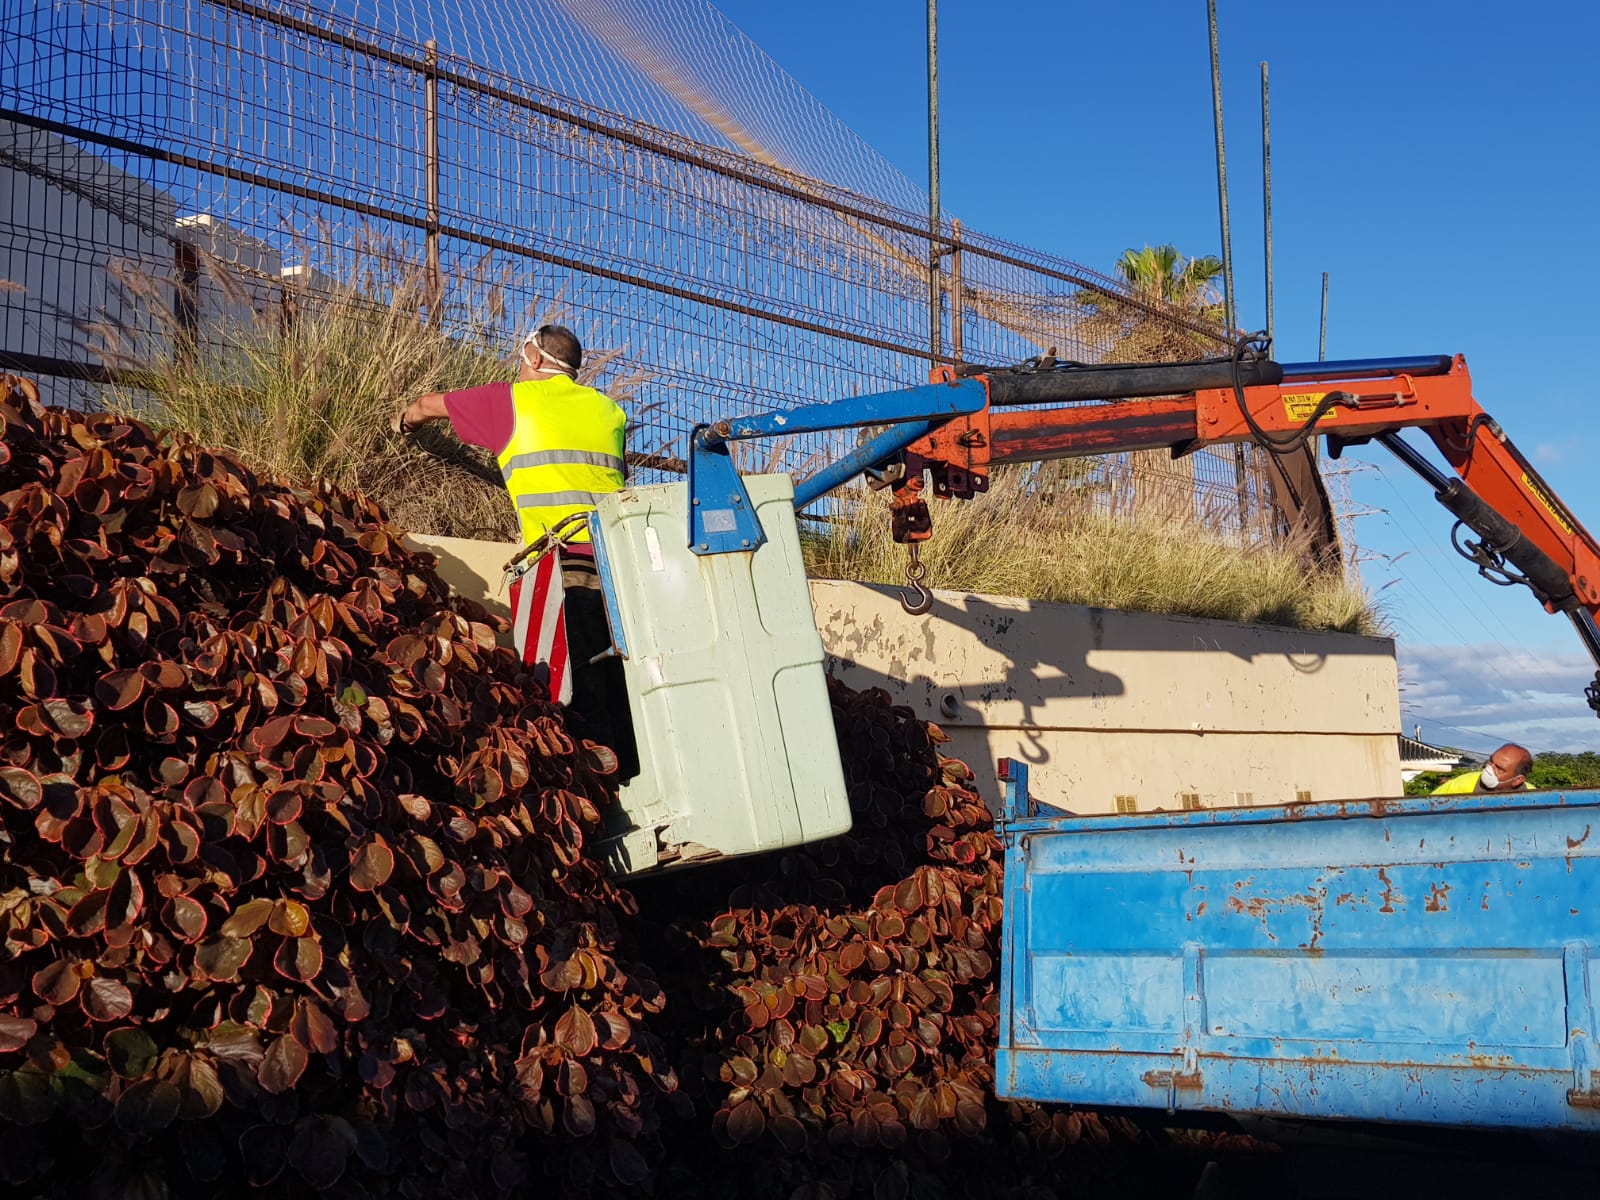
x: 1465, y: 785
x: 565, y: 452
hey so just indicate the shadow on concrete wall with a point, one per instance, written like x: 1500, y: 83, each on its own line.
x: 1036, y: 671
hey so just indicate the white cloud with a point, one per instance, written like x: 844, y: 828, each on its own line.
x: 1548, y: 453
x: 1533, y: 697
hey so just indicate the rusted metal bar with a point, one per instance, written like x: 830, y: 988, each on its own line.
x: 60, y: 368
x: 430, y: 136
x: 1222, y: 170
x: 255, y: 179
x: 185, y: 299
x: 958, y: 306
x: 1322, y: 336
x: 935, y: 220
x: 1114, y: 428
x: 1266, y: 191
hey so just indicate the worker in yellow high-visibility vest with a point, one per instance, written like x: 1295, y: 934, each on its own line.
x: 1506, y: 771
x: 560, y: 446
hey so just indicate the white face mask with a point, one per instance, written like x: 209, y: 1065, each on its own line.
x: 1488, y: 778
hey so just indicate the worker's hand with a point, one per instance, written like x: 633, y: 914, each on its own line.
x: 398, y: 423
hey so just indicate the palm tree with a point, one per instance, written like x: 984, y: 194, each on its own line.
x: 1161, y: 274
x: 1172, y: 308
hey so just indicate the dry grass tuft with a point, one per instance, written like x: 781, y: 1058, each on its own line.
x: 1012, y: 542
x: 305, y: 388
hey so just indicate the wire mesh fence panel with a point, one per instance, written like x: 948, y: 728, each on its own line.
x: 236, y: 155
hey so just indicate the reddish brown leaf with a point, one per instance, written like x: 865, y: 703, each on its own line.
x: 220, y: 960
x: 746, y: 1122
x: 283, y: 1064
x: 199, y: 1088
x: 119, y: 689
x: 69, y: 718
x: 299, y: 959
x: 313, y: 1029
x: 106, y: 999
x: 148, y: 1106
x: 200, y: 501
x: 289, y: 918
x: 15, y: 1032
x: 185, y: 917
x: 247, y: 918
x: 10, y: 647
x: 20, y: 788
x: 314, y: 728
x: 372, y: 867
x: 58, y: 982
x: 575, y: 1032
x: 88, y: 915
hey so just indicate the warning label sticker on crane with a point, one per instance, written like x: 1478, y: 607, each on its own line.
x: 1551, y: 504
x: 1300, y: 405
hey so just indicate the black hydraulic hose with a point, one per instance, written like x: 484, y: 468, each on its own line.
x: 1125, y: 381
x: 1549, y: 581
x: 1277, y: 443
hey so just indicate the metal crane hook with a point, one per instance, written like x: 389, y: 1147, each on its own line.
x: 919, y: 599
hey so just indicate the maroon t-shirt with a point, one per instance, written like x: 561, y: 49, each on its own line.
x: 482, y: 416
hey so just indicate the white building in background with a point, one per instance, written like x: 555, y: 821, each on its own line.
x: 96, y: 266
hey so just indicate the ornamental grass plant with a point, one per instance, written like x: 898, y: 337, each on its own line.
x: 303, y: 385
x: 1019, y: 541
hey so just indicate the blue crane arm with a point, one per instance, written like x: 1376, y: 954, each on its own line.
x: 721, y: 519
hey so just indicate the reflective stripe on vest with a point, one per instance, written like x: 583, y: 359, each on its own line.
x: 543, y: 458
x: 566, y: 451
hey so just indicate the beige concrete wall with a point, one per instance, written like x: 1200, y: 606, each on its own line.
x: 1103, y: 704
x: 474, y: 569
x: 1100, y: 703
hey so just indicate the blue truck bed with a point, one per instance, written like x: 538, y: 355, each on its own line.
x: 1423, y: 960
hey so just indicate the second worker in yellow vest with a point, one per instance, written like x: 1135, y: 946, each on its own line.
x: 1506, y: 771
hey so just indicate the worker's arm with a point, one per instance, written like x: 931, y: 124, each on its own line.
x: 425, y: 408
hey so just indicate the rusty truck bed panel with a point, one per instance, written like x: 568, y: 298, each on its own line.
x: 1422, y: 960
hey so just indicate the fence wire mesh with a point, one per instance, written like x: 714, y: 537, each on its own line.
x: 240, y: 152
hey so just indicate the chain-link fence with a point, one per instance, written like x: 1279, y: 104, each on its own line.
x: 236, y: 152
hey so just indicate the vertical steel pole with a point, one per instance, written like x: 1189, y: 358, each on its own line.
x: 186, y: 301
x: 935, y: 297
x: 1322, y: 338
x: 1241, y: 482
x: 1266, y: 189
x: 958, y: 307
x: 430, y: 137
x: 1222, y: 171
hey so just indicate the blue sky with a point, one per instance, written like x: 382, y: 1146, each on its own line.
x: 1439, y: 160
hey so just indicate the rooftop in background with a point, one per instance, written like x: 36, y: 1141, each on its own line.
x: 1417, y: 757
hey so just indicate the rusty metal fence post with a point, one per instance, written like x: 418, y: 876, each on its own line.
x: 935, y: 222
x: 185, y: 300
x: 958, y: 308
x: 430, y: 136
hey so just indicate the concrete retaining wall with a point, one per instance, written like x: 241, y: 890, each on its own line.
x: 1161, y: 712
